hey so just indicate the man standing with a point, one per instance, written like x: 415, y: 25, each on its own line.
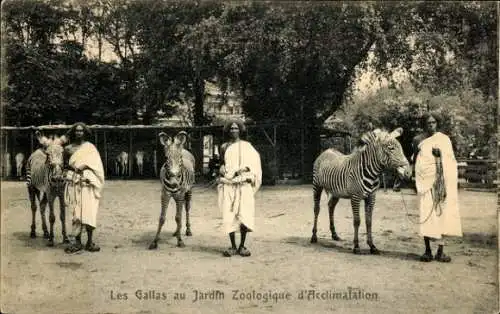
x: 436, y: 179
x: 241, y: 178
x: 85, y: 180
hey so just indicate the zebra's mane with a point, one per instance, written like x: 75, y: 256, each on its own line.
x: 375, y: 136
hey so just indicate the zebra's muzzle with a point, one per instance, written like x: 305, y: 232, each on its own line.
x: 171, y: 186
x: 404, y: 171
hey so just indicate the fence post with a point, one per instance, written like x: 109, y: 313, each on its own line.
x: 130, y: 157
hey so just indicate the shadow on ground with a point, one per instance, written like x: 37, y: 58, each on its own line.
x: 168, y: 240
x: 345, y: 247
x: 477, y: 239
x: 39, y: 242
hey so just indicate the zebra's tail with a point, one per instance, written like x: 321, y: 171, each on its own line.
x: 28, y: 175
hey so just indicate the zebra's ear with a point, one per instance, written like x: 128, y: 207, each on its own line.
x: 44, y: 141
x: 397, y: 132
x: 165, y: 140
x: 181, y: 138
x: 62, y: 140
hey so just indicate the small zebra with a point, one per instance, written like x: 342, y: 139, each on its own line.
x: 45, y: 182
x: 177, y: 179
x: 19, y: 164
x: 356, y: 177
x: 121, y: 164
x: 139, y: 159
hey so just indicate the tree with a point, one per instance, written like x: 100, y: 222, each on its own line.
x: 466, y: 117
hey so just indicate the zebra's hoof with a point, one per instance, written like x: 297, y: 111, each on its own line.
x: 175, y: 234
x: 314, y: 239
x: 46, y: 235
x: 335, y: 237
x: 188, y: 233
x: 180, y: 244
x: 153, y: 246
x: 33, y: 234
x: 356, y: 250
x: 65, y: 241
x: 50, y: 243
x: 374, y: 250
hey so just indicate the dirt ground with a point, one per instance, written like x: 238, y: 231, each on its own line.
x: 38, y: 279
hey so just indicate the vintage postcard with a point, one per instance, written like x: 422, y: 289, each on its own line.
x: 249, y: 157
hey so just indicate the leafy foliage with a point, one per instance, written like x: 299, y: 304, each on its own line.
x: 294, y: 62
x: 466, y: 116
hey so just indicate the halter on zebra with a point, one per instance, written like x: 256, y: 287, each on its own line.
x: 356, y: 177
x: 177, y: 179
x: 44, y: 178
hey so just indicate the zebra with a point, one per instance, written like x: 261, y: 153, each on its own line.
x: 19, y: 164
x: 121, y: 164
x: 177, y: 179
x: 139, y: 159
x: 45, y: 182
x: 356, y: 177
x: 6, y: 165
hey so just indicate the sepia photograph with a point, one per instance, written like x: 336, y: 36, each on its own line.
x: 200, y: 156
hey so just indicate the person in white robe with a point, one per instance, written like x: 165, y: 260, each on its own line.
x: 436, y: 179
x: 240, y: 178
x: 83, y: 189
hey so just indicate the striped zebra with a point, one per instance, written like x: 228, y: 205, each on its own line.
x: 177, y: 179
x: 121, y: 164
x: 356, y: 177
x: 44, y: 179
x: 139, y: 159
x: 19, y: 164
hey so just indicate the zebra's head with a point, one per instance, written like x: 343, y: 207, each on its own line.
x: 173, y: 148
x: 388, y: 150
x: 53, y: 148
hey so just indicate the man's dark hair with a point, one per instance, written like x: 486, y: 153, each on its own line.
x: 86, y: 131
x: 239, y: 123
x: 427, y: 115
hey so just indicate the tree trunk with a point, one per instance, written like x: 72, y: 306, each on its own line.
x: 198, y: 120
x: 199, y: 101
x: 312, y: 146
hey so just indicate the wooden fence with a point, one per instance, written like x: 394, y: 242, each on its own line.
x: 285, y: 149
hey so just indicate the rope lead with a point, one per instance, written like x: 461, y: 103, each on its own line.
x: 438, y: 193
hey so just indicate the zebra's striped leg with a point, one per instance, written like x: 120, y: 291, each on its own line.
x: 165, y: 198
x: 52, y: 219
x: 331, y: 209
x: 32, y: 196
x: 356, y: 222
x: 62, y: 216
x: 188, y: 209
x: 369, y: 205
x: 384, y: 182
x: 43, y: 207
x: 317, y: 198
x: 178, y: 221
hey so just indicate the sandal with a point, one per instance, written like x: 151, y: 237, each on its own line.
x: 427, y: 257
x: 443, y: 258
x: 92, y: 247
x: 73, y: 248
x: 243, y: 251
x: 230, y: 252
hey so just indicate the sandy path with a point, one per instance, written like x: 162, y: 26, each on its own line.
x: 45, y: 280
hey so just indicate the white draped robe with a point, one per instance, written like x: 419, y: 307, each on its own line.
x: 448, y: 222
x: 236, y: 196
x: 83, y: 198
